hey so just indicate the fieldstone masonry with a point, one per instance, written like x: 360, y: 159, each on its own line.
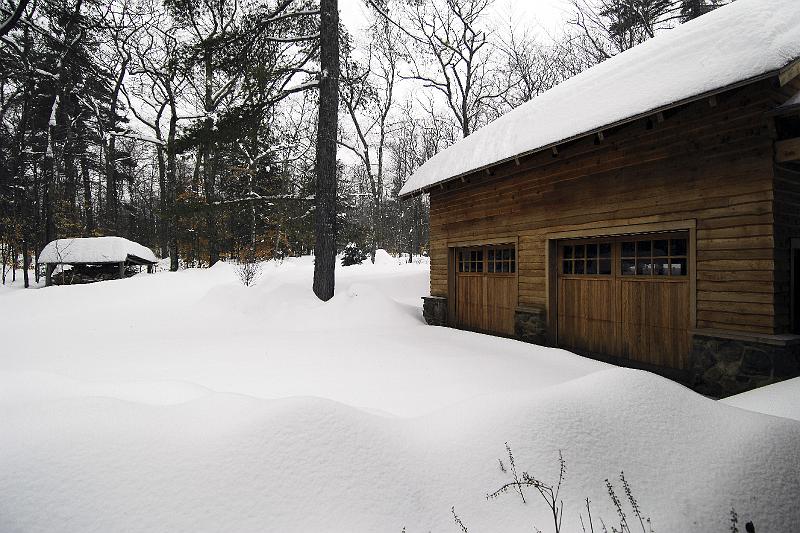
x: 434, y: 310
x: 530, y: 325
x: 721, y: 363
x: 721, y: 366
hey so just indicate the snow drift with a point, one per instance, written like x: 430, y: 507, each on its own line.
x: 208, y: 406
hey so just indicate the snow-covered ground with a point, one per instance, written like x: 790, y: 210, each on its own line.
x: 188, y: 402
x: 779, y: 399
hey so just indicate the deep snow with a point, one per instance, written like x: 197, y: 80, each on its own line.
x: 779, y: 399
x: 202, y: 405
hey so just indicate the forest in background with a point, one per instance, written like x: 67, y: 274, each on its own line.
x: 190, y: 126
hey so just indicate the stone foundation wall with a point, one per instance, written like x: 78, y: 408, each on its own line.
x: 723, y: 366
x: 434, y: 310
x: 530, y: 325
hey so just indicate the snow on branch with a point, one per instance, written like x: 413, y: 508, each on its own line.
x: 293, y: 38
x: 128, y: 134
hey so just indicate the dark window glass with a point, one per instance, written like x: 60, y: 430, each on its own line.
x: 591, y: 266
x: 591, y: 251
x: 491, y: 255
x: 678, y: 267
x: 580, y: 251
x: 605, y: 251
x: 567, y: 267
x: 661, y: 266
x: 628, y: 267
x: 643, y: 248
x: 605, y: 266
x: 628, y: 249
x: 480, y: 267
x: 579, y: 267
x: 567, y: 252
x: 678, y: 247
x: 513, y: 267
x: 661, y: 248
x: 491, y: 266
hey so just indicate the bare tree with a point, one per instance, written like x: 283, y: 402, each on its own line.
x: 368, y: 97
x: 327, y: 125
x: 452, y: 37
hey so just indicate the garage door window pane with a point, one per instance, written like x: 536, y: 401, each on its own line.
x: 628, y: 267
x: 678, y: 247
x: 579, y: 267
x: 661, y: 248
x: 605, y: 267
x: 628, y: 249
x: 605, y: 250
x: 678, y: 267
x: 566, y: 267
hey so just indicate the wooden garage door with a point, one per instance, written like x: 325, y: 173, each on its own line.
x: 627, y: 297
x: 486, y: 288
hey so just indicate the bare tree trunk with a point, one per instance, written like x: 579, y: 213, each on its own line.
x: 172, y: 180
x: 208, y: 171
x: 26, y: 263
x: 325, y: 199
x: 163, y: 195
x: 111, y: 183
x: 87, y: 196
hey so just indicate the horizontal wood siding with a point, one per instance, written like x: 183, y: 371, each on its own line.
x: 709, y: 164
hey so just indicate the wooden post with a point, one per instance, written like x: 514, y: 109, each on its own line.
x: 122, y: 270
x: 149, y: 269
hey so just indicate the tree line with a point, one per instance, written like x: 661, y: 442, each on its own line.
x: 208, y: 129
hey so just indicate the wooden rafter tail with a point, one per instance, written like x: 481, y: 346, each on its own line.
x: 789, y: 72
x: 787, y: 150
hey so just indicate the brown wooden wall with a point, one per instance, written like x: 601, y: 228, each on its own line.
x: 710, y: 163
x: 787, y: 221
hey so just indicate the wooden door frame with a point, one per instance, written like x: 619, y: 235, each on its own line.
x: 551, y: 260
x: 452, y: 264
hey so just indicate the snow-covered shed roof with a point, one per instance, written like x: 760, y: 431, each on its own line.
x: 96, y: 250
x: 736, y: 44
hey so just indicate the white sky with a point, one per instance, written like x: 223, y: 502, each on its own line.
x: 545, y: 14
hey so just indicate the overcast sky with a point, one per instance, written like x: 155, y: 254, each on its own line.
x: 547, y: 14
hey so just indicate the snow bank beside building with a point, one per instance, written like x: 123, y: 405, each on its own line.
x: 778, y: 399
x: 208, y: 406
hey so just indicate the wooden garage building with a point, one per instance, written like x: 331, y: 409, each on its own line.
x: 645, y: 212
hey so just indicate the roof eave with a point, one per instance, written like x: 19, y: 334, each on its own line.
x: 784, y: 75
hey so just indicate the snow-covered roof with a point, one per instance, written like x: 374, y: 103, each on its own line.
x: 95, y: 250
x: 741, y: 42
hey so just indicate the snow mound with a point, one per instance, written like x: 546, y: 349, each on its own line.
x: 740, y: 41
x: 204, y: 405
x: 778, y: 399
x: 233, y: 463
x: 94, y: 250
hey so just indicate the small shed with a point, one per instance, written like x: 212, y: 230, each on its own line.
x: 109, y: 255
x: 644, y: 212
